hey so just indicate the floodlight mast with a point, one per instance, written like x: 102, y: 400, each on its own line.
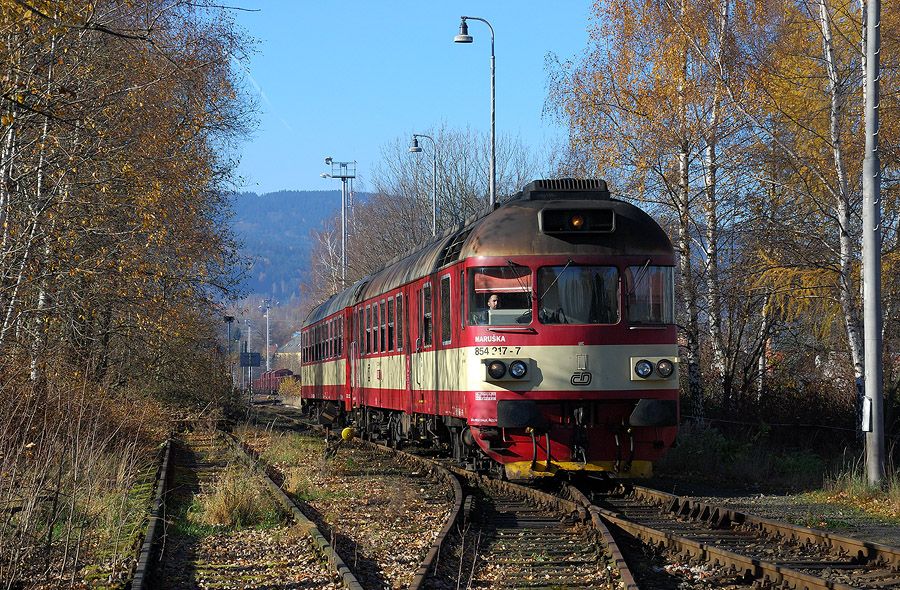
x: 343, y: 171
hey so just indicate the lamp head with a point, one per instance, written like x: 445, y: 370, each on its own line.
x: 414, y: 145
x: 329, y: 160
x: 464, y: 36
x: 324, y: 175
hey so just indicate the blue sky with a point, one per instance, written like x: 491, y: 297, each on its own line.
x: 342, y: 79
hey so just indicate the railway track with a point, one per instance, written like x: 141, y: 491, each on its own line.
x: 387, y: 513
x: 516, y: 537
x: 508, y: 536
x: 194, y: 551
x: 757, y: 550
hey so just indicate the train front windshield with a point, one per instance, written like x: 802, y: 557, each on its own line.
x: 578, y: 294
x: 650, y: 294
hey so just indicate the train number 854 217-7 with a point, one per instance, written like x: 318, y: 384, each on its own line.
x: 497, y: 350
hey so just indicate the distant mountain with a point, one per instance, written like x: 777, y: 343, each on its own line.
x: 274, y: 230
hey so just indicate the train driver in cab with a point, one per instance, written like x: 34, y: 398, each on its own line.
x: 493, y: 302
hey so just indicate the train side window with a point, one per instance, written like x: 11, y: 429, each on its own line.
x: 445, y: 311
x: 390, y: 324
x: 341, y: 336
x: 368, y: 329
x: 400, y: 322
x: 383, y: 328
x: 426, y: 315
x: 329, y: 339
x: 376, y: 322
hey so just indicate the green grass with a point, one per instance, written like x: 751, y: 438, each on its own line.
x: 292, y: 449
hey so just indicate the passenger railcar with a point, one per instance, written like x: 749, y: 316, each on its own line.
x: 576, y: 368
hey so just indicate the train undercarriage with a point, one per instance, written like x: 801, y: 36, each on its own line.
x: 514, y: 453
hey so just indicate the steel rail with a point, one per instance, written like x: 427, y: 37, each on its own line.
x: 578, y: 497
x: 321, y: 543
x: 425, y: 566
x: 575, y: 508
x: 145, y: 560
x: 758, y: 569
x: 865, y: 552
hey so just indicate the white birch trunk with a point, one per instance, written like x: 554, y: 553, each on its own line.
x: 848, y: 246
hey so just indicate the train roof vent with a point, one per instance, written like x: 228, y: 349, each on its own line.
x: 553, y: 189
x: 451, y: 251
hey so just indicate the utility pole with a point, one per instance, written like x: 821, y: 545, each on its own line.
x: 873, y: 411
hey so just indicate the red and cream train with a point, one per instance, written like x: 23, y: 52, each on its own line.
x: 576, y: 368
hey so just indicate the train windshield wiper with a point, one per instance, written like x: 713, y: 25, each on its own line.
x: 525, y: 289
x: 637, y: 279
x: 559, y: 274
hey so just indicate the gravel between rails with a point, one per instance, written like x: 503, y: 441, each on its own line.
x: 199, y: 555
x: 380, y: 514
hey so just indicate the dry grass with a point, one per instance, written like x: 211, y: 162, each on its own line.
x: 238, y: 501
x: 76, y: 471
x: 851, y: 487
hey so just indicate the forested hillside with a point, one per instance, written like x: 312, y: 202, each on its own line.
x: 273, y: 230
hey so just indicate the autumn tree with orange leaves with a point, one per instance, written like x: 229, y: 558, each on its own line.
x: 741, y: 123
x: 117, y: 123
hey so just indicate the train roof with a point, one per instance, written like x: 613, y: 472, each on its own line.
x: 515, y: 229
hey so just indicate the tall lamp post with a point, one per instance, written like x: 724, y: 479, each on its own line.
x: 464, y: 37
x: 229, y: 319
x: 265, y: 307
x: 415, y: 148
x: 344, y: 171
x: 249, y: 365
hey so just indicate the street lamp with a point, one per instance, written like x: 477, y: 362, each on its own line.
x: 229, y: 319
x: 415, y: 149
x: 249, y: 365
x: 465, y: 37
x: 264, y: 307
x: 343, y: 171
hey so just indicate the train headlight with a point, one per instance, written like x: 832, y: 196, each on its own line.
x: 665, y: 368
x: 576, y: 221
x: 518, y: 369
x: 496, y: 369
x: 643, y: 368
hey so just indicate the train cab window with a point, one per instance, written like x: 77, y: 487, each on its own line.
x: 500, y: 295
x: 360, y: 331
x: 390, y: 324
x: 650, y: 294
x: 399, y: 322
x: 573, y: 294
x: 383, y: 316
x: 462, y: 299
x: 426, y: 315
x: 368, y: 329
x: 446, y: 332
